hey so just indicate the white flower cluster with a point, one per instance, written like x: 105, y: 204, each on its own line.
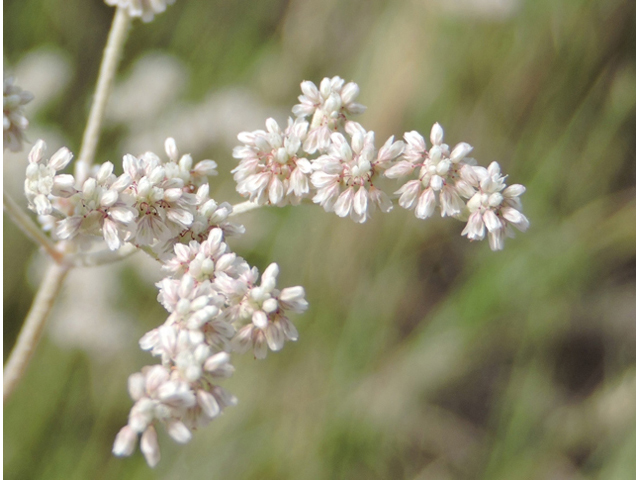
x: 493, y: 205
x: 216, y: 307
x: 155, y: 203
x: 462, y: 189
x: 272, y: 166
x: 328, y: 107
x: 144, y: 9
x: 278, y: 167
x: 14, y: 123
x: 275, y: 166
x: 217, y: 302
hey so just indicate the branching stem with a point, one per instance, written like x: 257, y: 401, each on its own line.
x: 29, y: 228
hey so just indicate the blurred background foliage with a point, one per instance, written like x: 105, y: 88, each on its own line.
x: 422, y: 356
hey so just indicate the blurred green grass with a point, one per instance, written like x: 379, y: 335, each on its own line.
x: 422, y: 356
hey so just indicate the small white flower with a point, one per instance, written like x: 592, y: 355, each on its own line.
x: 181, y: 166
x: 42, y: 183
x: 328, y: 106
x: 495, y: 207
x: 149, y: 446
x: 272, y: 166
x: 344, y: 176
x: 98, y: 209
x: 265, y: 305
x: 125, y: 442
x: 439, y: 175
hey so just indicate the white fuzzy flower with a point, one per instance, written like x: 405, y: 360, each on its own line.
x: 344, y: 176
x: 494, y: 207
x: 181, y: 166
x: 164, y: 208
x: 272, y: 167
x: 265, y: 306
x: 42, y: 181
x: 98, y: 209
x: 439, y: 180
x: 328, y: 106
x: 14, y: 123
x: 144, y: 9
x: 159, y: 396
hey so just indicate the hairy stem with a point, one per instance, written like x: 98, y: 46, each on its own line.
x: 33, y: 327
x: 110, y: 59
x: 29, y: 228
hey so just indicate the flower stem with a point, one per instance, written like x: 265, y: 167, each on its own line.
x: 29, y: 228
x: 248, y: 206
x: 110, y: 59
x: 243, y: 207
x: 102, y: 257
x: 33, y: 327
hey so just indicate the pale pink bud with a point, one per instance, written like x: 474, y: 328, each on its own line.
x: 125, y: 442
x: 149, y: 446
x: 437, y: 134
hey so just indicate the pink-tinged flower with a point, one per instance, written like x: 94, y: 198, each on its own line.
x: 266, y: 308
x: 344, y: 176
x: 99, y: 209
x: 494, y: 208
x: 439, y: 181
x: 43, y: 182
x: 328, y: 106
x: 273, y: 169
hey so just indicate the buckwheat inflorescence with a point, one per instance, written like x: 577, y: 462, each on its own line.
x: 333, y: 161
x: 217, y: 303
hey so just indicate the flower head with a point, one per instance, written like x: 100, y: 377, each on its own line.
x: 494, y: 207
x: 273, y: 168
x: 439, y: 181
x: 328, y: 107
x: 43, y: 182
x: 344, y: 176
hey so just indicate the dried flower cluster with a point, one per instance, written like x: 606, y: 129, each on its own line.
x: 14, y: 123
x: 217, y: 303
